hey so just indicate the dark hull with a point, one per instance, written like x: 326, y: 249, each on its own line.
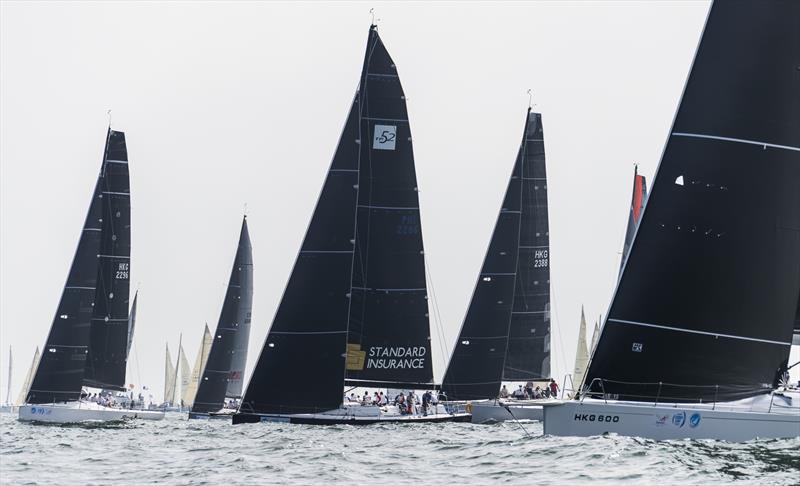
x: 251, y: 418
x: 207, y: 416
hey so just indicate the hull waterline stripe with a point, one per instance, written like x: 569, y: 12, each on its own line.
x: 117, y: 193
x: 81, y: 288
x: 117, y: 161
x: 114, y: 256
x: 691, y: 331
x: 738, y: 140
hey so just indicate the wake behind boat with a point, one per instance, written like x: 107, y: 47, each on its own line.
x: 88, y: 343
x: 697, y: 340
x: 355, y: 309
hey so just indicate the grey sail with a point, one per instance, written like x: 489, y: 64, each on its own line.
x: 222, y: 374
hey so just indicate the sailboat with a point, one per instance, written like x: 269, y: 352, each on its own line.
x: 698, y: 334
x: 188, y: 395
x: 355, y: 309
x: 87, y: 343
x: 6, y: 406
x: 170, y: 378
x: 220, y: 387
x: 505, y: 335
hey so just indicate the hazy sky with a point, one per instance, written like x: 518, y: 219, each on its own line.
x: 231, y: 103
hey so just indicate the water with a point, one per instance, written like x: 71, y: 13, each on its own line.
x: 177, y: 451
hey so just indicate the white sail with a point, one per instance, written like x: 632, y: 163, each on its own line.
x: 595, y: 336
x: 10, y: 367
x: 185, y: 371
x: 169, y: 379
x: 581, y: 355
x: 26, y: 385
x: 197, y: 371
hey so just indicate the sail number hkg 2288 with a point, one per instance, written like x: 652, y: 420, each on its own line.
x: 540, y: 259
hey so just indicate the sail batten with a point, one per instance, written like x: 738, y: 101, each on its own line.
x: 709, y: 291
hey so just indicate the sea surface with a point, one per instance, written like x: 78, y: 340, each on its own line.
x: 177, y: 451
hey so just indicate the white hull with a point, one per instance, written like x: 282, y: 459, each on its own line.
x: 667, y: 421
x: 502, y: 410
x: 77, y: 412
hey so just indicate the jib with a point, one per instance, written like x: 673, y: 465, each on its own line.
x: 585, y: 417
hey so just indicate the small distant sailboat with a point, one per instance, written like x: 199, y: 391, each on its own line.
x: 169, y: 381
x: 697, y: 339
x: 220, y: 387
x: 355, y: 309
x: 638, y: 201
x: 506, y: 332
x: 88, y: 340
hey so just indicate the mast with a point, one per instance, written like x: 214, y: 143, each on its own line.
x: 357, y: 294
x: 107, y: 358
x: 177, y: 368
x: 59, y: 375
x: 708, y: 294
x: 222, y: 375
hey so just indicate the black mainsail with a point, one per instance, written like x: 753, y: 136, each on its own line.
x: 61, y: 369
x: 485, y: 351
x: 108, y: 343
x: 528, y: 350
x: 707, y: 297
x: 225, y: 365
x: 356, y: 298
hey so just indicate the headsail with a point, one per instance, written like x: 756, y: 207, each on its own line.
x: 108, y: 343
x: 357, y: 289
x: 60, y: 373
x: 184, y: 371
x: 479, y: 359
x: 197, y: 371
x: 638, y: 200
x: 131, y: 323
x: 707, y: 297
x: 581, y: 355
x: 26, y: 385
x: 169, y: 379
x: 222, y: 375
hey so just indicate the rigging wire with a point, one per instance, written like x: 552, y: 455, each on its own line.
x: 437, y: 318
